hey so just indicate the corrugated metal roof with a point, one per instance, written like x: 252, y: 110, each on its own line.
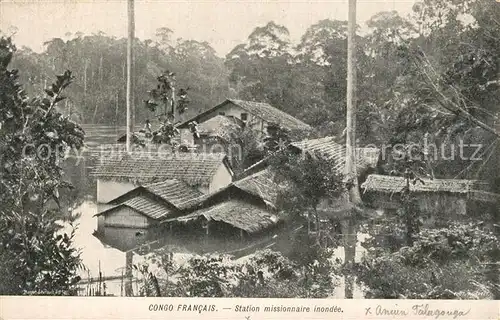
x: 237, y: 213
x: 192, y: 168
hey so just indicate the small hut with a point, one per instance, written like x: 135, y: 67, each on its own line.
x: 237, y: 216
x: 134, y: 215
x: 437, y: 198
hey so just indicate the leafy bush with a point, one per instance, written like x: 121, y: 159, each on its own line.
x: 37, y: 258
x: 458, y: 242
x: 36, y: 255
x: 443, y: 263
x: 266, y: 274
x: 389, y: 277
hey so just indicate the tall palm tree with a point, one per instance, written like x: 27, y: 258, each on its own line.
x: 353, y: 196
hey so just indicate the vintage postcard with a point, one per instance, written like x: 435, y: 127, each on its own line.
x: 333, y: 159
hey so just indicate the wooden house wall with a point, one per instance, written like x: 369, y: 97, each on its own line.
x: 210, y: 144
x: 126, y: 217
x: 443, y: 204
x: 100, y: 224
x: 232, y: 110
x: 221, y: 237
x: 434, y: 207
x: 126, y: 238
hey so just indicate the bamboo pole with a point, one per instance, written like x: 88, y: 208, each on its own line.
x: 130, y: 57
x: 128, y: 274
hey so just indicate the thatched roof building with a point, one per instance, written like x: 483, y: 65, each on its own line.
x: 247, y: 205
x: 437, y: 199
x: 237, y: 213
x: 470, y: 189
x: 192, y: 168
x: 117, y: 175
x: 367, y: 159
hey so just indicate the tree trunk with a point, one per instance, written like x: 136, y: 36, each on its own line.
x: 349, y: 235
x: 124, y: 71
x: 174, y: 117
x: 116, y: 108
x: 308, y: 224
x: 351, y: 178
x: 85, y: 78
x: 95, y: 112
x: 101, y: 75
x: 350, y: 163
x: 318, y: 225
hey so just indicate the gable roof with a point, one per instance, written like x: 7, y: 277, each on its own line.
x: 237, y: 213
x: 156, y: 200
x: 192, y: 168
x: 174, y: 192
x: 219, y: 125
x: 365, y: 157
x: 473, y: 189
x: 259, y: 185
x: 145, y: 205
x: 259, y: 109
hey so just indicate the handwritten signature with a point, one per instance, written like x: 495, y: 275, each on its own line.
x: 418, y: 310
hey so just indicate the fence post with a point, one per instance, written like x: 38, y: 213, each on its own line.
x: 128, y: 274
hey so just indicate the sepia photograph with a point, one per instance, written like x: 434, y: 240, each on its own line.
x: 334, y: 149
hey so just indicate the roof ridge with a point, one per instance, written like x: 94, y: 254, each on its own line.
x: 253, y: 175
x: 172, y: 180
x: 252, y: 101
x: 376, y: 175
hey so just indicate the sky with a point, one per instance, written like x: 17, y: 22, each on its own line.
x: 222, y: 23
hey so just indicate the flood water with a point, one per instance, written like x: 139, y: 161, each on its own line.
x: 109, y: 262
